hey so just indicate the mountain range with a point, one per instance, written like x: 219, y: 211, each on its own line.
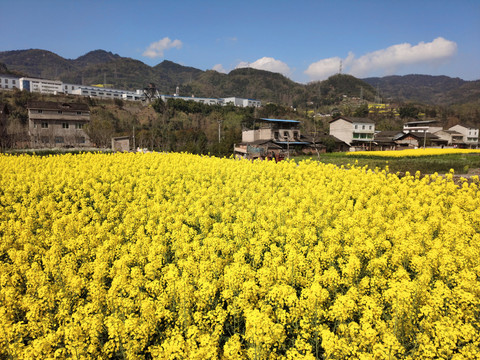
x: 113, y: 70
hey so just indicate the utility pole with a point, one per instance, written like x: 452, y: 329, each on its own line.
x: 134, y: 147
x: 219, y: 121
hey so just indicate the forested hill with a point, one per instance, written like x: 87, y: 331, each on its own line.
x: 435, y: 90
x: 113, y: 70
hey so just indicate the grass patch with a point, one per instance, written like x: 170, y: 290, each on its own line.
x: 460, y: 163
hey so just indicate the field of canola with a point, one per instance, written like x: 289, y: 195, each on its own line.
x: 415, y: 152
x: 176, y: 256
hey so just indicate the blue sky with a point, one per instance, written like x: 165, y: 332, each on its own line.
x: 305, y: 40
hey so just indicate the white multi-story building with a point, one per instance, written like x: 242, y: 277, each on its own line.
x: 422, y: 126
x: 45, y: 86
x: 41, y: 85
x: 207, y: 101
x: 470, y: 135
x: 105, y: 93
x: 9, y: 82
x: 353, y: 131
x: 242, y: 102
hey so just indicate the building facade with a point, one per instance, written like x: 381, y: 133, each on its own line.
x: 241, y: 102
x: 271, y: 137
x: 58, y: 125
x: 41, y: 85
x: 9, y: 82
x: 430, y: 126
x: 353, y: 131
x: 469, y: 134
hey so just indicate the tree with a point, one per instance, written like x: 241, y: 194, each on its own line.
x: 408, y: 111
x: 361, y: 111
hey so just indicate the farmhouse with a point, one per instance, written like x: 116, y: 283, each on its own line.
x: 469, y: 135
x: 357, y: 132
x: 271, y: 138
x: 430, y: 126
x: 52, y: 124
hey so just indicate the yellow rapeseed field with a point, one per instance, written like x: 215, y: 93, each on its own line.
x: 177, y: 256
x: 416, y: 152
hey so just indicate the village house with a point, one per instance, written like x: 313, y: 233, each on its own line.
x: 419, y: 139
x: 430, y: 126
x: 356, y: 132
x: 387, y: 140
x: 268, y: 138
x: 451, y: 137
x: 53, y: 124
x: 469, y: 135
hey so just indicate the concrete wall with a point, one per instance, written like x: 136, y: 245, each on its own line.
x: 342, y: 130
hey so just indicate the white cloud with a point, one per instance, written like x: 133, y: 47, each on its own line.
x: 268, y: 64
x: 386, y: 60
x: 157, y: 49
x: 219, y: 68
x: 324, y: 68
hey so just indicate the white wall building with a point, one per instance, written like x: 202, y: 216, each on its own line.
x: 470, y: 135
x: 422, y: 126
x: 9, y: 82
x: 207, y: 101
x: 41, y: 85
x: 242, y: 102
x: 57, y: 87
x: 353, y: 131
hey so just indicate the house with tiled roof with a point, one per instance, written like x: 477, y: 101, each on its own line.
x: 357, y: 132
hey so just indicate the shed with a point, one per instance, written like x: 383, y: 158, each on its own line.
x: 121, y: 143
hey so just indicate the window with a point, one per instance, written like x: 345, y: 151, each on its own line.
x: 44, y: 139
x: 65, y: 125
x: 81, y: 140
x: 60, y: 111
x: 59, y: 140
x: 356, y: 127
x: 370, y: 127
x: 39, y: 111
x: 79, y: 113
x: 276, y: 134
x: 285, y: 134
x: 79, y: 126
x: 363, y: 127
x: 6, y: 81
x: 44, y: 125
